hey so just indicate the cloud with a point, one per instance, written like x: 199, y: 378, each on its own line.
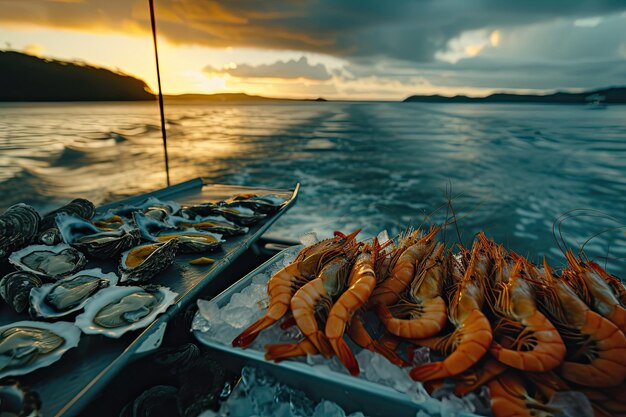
x: 34, y: 49
x: 291, y: 69
x: 402, y: 29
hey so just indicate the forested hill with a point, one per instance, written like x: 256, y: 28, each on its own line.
x: 29, y: 78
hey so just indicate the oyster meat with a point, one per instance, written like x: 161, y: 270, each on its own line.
x: 15, y: 288
x: 215, y: 224
x: 108, y: 222
x: 117, y: 310
x: 141, y: 263
x: 18, y: 228
x: 96, y: 243
x: 268, y: 203
x: 53, y: 261
x: 29, y: 345
x: 69, y: 294
x: 149, y: 205
x: 191, y: 240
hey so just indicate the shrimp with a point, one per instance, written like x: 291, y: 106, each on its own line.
x: 425, y: 309
x: 510, y: 398
x: 594, y: 290
x: 412, y: 250
x: 472, y: 336
x: 359, y: 335
x: 313, y: 300
x: 523, y: 337
x: 596, y: 348
x: 482, y: 373
x: 361, y: 283
x: 278, y: 352
x: 282, y: 286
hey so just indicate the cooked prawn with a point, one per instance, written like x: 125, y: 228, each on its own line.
x: 282, y: 286
x: 412, y: 251
x: 472, y: 336
x: 424, y: 308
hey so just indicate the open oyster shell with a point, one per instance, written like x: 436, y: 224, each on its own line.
x: 148, y: 205
x: 117, y: 310
x: 86, y: 237
x: 214, y: 224
x: 17, y: 400
x: 29, y: 345
x: 49, y: 233
x: 53, y: 261
x: 18, y: 228
x: 15, y: 288
x: 268, y: 203
x: 191, y: 240
x: 69, y: 294
x: 234, y: 212
x: 148, y: 226
x: 142, y: 262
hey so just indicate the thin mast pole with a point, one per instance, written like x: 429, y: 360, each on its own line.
x: 156, y: 55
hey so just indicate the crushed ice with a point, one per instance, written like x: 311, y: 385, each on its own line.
x: 260, y: 395
x: 224, y: 324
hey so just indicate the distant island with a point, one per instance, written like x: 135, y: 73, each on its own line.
x: 613, y: 95
x: 29, y: 78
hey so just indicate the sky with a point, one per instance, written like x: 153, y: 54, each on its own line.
x: 337, y: 49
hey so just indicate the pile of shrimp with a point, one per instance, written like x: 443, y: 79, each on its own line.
x: 494, y: 317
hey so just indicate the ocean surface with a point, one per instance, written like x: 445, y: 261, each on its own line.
x: 518, y: 172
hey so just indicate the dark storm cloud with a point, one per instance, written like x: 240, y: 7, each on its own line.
x: 400, y: 29
x: 280, y: 69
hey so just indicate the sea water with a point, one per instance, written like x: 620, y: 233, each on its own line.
x: 534, y: 177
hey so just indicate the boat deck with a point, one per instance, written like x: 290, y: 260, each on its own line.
x: 68, y: 385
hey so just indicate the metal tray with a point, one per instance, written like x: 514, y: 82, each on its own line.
x: 351, y: 393
x: 66, y: 386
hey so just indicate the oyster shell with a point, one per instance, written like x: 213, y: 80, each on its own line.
x: 148, y: 205
x: 15, y: 288
x: 145, y: 261
x: 29, y: 345
x: 148, y: 226
x: 53, y: 261
x: 268, y: 203
x: 234, y: 212
x: 17, y: 400
x: 108, y: 222
x: 214, y: 224
x: 96, y: 243
x: 78, y: 207
x: 117, y: 310
x: 191, y: 240
x: 18, y: 228
x: 69, y: 294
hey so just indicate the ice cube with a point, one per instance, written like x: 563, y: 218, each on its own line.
x: 281, y: 410
x: 452, y: 406
x: 209, y: 310
x: 357, y: 414
x: 200, y: 324
x: 421, y: 355
x: 243, y: 407
x: 572, y: 403
x: 309, y: 238
x: 260, y: 279
x: 208, y: 413
x: 328, y: 409
x: 383, y: 237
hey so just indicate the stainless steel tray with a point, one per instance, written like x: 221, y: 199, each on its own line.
x: 351, y: 393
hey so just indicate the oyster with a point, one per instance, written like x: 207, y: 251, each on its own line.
x: 108, y: 222
x: 145, y: 261
x: 86, y: 237
x: 148, y: 226
x: 29, y: 345
x: 78, y: 207
x: 117, y: 310
x: 18, y: 228
x: 268, y: 203
x: 191, y: 240
x: 148, y: 205
x: 18, y: 401
x: 69, y: 294
x: 234, y: 212
x: 215, y: 224
x: 15, y: 288
x: 59, y: 260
